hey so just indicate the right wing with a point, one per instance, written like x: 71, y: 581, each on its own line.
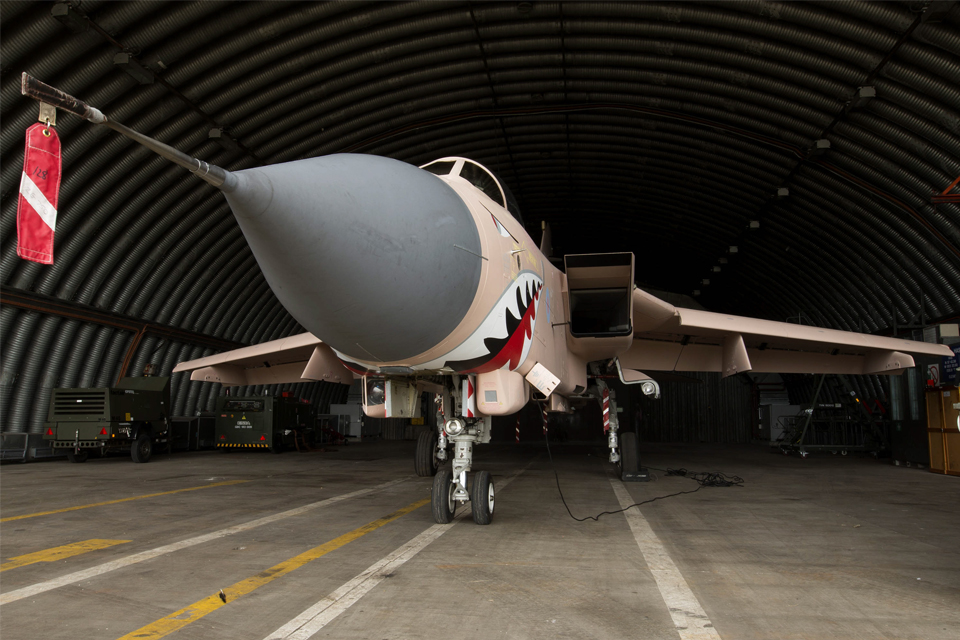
x: 668, y: 338
x: 300, y: 358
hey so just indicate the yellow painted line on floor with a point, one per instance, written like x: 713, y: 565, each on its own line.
x: 101, y: 504
x: 59, y: 553
x: 179, y: 619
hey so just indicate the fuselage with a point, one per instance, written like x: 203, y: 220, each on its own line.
x: 405, y: 270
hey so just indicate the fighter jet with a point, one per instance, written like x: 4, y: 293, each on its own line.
x: 424, y: 279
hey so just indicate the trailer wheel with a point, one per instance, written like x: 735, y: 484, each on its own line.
x: 277, y: 446
x: 73, y: 456
x: 142, y: 449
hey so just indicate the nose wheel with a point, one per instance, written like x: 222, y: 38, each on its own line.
x: 482, y: 497
x: 441, y: 498
x: 426, y: 461
x: 457, y: 484
x: 480, y: 488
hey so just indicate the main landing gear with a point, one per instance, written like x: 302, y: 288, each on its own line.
x: 455, y: 487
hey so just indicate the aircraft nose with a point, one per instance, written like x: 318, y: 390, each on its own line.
x: 377, y: 258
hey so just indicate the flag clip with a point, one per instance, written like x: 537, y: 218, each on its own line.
x: 48, y: 115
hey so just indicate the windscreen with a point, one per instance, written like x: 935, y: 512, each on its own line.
x: 482, y: 180
x: 441, y: 168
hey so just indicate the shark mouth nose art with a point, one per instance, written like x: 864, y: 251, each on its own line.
x: 504, y: 336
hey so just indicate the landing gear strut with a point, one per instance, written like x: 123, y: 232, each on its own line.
x: 623, y: 446
x: 451, y: 488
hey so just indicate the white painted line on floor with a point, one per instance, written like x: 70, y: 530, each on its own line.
x: 326, y: 610
x: 688, y: 616
x: 106, y: 567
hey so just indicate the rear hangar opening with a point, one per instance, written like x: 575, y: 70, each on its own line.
x: 790, y: 161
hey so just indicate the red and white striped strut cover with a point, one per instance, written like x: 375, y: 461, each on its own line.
x: 518, y: 429
x: 545, y: 419
x: 606, y: 410
x: 39, y: 195
x: 470, y: 396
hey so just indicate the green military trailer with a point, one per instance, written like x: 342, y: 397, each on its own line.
x: 131, y: 417
x: 263, y: 422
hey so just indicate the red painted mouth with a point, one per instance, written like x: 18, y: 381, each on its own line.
x: 506, y: 351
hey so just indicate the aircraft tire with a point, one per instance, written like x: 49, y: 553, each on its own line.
x: 426, y: 456
x: 441, y: 498
x: 481, y: 497
x: 73, y: 456
x: 142, y: 448
x: 629, y: 462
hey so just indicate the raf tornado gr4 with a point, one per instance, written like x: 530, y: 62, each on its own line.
x: 424, y: 279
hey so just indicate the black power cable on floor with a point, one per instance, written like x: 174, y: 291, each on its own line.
x: 702, y: 478
x: 705, y: 478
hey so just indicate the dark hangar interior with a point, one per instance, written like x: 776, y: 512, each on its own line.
x: 788, y: 161
x: 770, y: 159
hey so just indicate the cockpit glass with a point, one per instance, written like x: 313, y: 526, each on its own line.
x: 482, y: 180
x: 439, y: 168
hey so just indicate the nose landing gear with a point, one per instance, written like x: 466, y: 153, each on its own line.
x: 456, y: 486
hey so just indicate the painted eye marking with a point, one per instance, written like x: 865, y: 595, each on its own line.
x: 503, y: 231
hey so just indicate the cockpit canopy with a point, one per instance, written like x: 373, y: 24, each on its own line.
x: 480, y: 177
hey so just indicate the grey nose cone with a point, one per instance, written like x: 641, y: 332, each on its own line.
x: 377, y: 258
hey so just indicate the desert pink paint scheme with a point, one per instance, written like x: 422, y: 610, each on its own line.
x: 520, y: 317
x: 424, y: 280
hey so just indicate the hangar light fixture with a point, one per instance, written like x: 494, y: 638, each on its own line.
x: 716, y: 269
x: 217, y: 135
x: 754, y: 224
x: 733, y: 249
x: 129, y: 64
x: 783, y: 192
x: 864, y: 95
x: 705, y: 281
x: 936, y: 11
x: 68, y: 17
x: 820, y: 147
x: 696, y: 292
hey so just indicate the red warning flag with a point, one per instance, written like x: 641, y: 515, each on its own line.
x: 39, y: 193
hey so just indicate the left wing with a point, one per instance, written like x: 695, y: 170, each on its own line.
x: 300, y: 358
x: 668, y: 338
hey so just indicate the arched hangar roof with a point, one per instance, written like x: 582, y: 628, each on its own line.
x: 791, y: 153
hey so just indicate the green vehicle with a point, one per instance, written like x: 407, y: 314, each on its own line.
x: 131, y: 417
x: 262, y: 422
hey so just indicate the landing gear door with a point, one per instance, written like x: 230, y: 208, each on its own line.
x: 402, y: 398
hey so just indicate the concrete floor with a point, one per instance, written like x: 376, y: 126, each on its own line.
x: 823, y: 547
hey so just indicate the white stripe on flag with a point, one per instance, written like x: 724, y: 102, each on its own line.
x: 35, y: 198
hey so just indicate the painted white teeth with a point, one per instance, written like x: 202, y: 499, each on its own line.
x: 512, y: 304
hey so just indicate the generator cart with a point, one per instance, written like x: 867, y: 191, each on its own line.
x: 263, y: 422
x: 131, y: 417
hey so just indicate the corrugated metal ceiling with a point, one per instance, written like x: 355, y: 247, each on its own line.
x: 658, y: 128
